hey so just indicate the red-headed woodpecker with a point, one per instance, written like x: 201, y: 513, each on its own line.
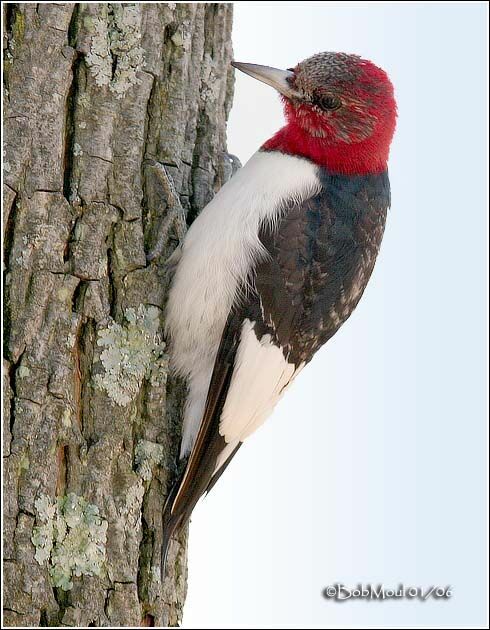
x: 278, y: 260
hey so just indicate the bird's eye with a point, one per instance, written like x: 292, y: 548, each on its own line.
x: 328, y: 101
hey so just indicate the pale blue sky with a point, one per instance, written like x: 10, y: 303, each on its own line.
x: 372, y: 468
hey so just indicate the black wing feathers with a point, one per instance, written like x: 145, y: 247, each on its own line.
x: 321, y: 258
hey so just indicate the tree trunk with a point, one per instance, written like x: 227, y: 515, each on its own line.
x: 115, y: 121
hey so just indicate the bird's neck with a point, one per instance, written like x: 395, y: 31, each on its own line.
x: 360, y: 158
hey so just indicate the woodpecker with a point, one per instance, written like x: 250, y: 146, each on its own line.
x: 277, y: 261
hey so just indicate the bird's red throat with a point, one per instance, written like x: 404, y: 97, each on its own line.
x: 353, y: 157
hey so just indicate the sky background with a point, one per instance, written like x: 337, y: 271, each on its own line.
x: 372, y: 467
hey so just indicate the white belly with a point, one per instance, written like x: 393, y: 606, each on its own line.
x: 218, y: 254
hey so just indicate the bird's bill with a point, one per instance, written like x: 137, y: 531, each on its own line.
x: 278, y: 79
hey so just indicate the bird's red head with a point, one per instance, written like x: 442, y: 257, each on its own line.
x: 340, y: 111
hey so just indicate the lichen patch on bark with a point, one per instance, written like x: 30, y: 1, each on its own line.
x: 70, y: 536
x: 129, y: 353
x: 116, y: 55
x: 147, y: 455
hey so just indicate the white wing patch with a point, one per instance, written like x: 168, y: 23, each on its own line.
x: 259, y: 379
x: 219, y: 250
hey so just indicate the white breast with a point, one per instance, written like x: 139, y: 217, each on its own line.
x: 218, y: 254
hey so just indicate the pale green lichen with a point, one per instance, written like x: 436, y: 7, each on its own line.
x: 159, y: 371
x: 23, y: 371
x: 147, y: 455
x: 177, y: 38
x: 23, y: 259
x: 70, y: 535
x: 24, y: 462
x: 117, y: 38
x: 99, y: 58
x: 66, y: 418
x: 64, y: 294
x: 77, y: 150
x: 129, y: 514
x: 42, y: 534
x: 129, y: 352
x: 84, y: 101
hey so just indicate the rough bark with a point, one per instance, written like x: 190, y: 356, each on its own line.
x: 115, y: 138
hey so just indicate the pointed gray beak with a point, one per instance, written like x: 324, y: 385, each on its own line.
x: 278, y: 79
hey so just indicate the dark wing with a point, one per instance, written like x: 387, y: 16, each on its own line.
x: 320, y: 257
